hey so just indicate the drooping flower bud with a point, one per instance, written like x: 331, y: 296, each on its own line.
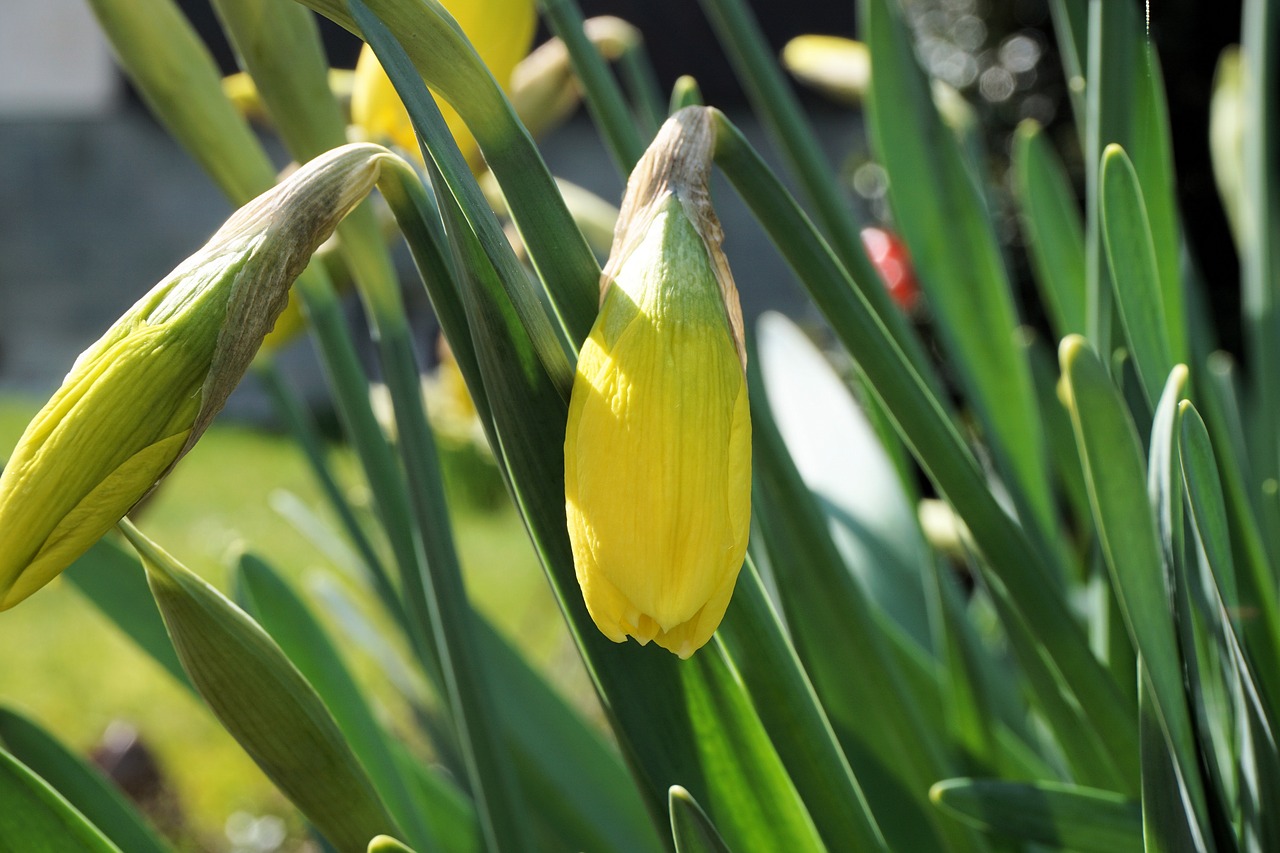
x: 658, y: 444
x: 137, y: 400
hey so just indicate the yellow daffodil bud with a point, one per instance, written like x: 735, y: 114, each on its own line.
x: 501, y: 32
x: 138, y: 399
x: 658, y: 444
x: 838, y: 67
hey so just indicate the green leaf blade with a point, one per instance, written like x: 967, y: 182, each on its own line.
x: 1055, y: 231
x: 270, y: 601
x: 1117, y: 483
x: 85, y: 789
x: 265, y: 703
x: 1060, y: 816
x: 1134, y: 271
x: 692, y: 830
x: 35, y: 817
x: 944, y: 221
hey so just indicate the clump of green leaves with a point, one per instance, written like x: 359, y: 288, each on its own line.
x: 1072, y: 643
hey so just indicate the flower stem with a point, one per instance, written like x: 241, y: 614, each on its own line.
x: 600, y: 90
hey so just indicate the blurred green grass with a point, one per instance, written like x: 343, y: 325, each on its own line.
x: 71, y: 670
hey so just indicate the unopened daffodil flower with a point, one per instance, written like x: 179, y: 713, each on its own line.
x: 137, y: 400
x: 658, y: 443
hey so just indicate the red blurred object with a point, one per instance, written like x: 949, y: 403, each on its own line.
x: 889, y: 254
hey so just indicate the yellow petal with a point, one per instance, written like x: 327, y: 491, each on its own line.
x: 96, y: 513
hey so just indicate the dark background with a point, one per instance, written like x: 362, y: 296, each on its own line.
x: 95, y: 210
x: 1189, y: 34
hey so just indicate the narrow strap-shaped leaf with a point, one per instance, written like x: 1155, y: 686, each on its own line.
x: 839, y: 455
x: 1091, y: 756
x: 270, y: 601
x: 447, y: 809
x: 1058, y: 815
x: 640, y: 78
x: 278, y: 43
x: 796, y: 721
x: 692, y: 830
x: 177, y: 77
x: 439, y: 145
x: 1168, y: 822
x: 1057, y: 425
x: 264, y: 702
x: 577, y: 786
x: 1116, y: 480
x: 1220, y: 407
x: 730, y: 738
x: 306, y: 435
x: 1152, y: 151
x: 1109, y: 71
x: 468, y: 683
x: 889, y: 747
x: 775, y: 102
x: 36, y: 817
x: 601, y: 92
x: 969, y: 677
x: 942, y: 216
x: 1260, y: 258
x: 1257, y: 766
x: 100, y: 802
x: 1014, y: 565
x: 1164, y: 473
x: 383, y: 470
x: 1245, y: 591
x: 1071, y: 25
x: 1134, y: 273
x: 1055, y: 232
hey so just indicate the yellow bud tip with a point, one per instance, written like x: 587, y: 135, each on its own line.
x: 1069, y: 349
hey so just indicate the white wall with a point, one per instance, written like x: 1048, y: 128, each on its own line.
x: 53, y: 61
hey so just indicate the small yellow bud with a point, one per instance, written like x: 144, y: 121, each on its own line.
x: 138, y: 399
x: 838, y: 67
x: 658, y: 444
